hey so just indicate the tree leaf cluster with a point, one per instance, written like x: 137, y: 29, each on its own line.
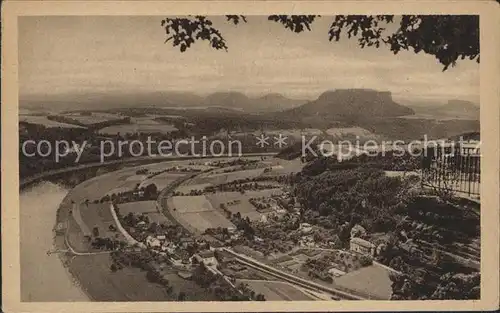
x: 448, y: 38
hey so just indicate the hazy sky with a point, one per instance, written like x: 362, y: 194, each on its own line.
x: 113, y: 54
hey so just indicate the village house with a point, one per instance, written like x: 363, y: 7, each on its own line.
x: 215, y: 245
x: 281, y: 211
x: 206, y: 257
x: 169, y: 247
x: 235, y: 236
x: 263, y: 218
x: 362, y: 246
x: 153, y: 242
x: 186, y: 241
x: 176, y: 259
x: 335, y: 272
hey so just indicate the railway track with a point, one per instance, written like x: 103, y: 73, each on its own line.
x: 335, y: 293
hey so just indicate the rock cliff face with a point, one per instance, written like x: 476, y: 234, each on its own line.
x: 353, y: 103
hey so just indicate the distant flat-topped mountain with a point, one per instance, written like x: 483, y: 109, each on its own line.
x: 461, y: 106
x: 268, y: 103
x: 453, y: 109
x: 348, y: 104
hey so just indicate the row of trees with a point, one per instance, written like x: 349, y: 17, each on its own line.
x: 449, y: 286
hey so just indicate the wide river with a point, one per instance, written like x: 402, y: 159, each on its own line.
x: 43, y: 277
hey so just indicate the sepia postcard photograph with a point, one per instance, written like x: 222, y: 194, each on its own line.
x: 167, y: 156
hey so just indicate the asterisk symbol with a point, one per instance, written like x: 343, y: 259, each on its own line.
x: 262, y: 140
x: 280, y: 141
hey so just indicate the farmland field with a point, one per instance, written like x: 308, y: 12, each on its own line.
x: 77, y: 216
x: 284, y: 167
x: 144, y: 121
x: 75, y: 236
x: 291, y: 133
x: 149, y: 208
x: 84, y: 218
x: 123, y: 187
x: 301, y: 257
x: 43, y: 120
x: 207, y: 219
x: 196, y: 213
x: 162, y: 180
x: 277, y: 291
x: 99, y: 215
x: 191, y: 204
x: 222, y: 178
x: 226, y: 197
x: 127, y: 284
x: 92, y: 119
x: 137, y: 128
x: 192, y: 290
x: 108, y: 183
x: 343, y: 132
x: 241, y: 205
x: 288, y: 263
x: 136, y: 178
x: 158, y: 218
x: 373, y: 280
x: 187, y: 188
x: 137, y: 207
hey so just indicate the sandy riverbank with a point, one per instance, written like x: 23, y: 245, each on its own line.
x: 43, y: 277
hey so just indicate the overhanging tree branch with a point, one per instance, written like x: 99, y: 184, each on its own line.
x: 448, y: 38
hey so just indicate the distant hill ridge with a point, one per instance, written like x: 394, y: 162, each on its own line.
x: 267, y: 103
x: 352, y: 103
x: 231, y: 100
x: 452, y: 109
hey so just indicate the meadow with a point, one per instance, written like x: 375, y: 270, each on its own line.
x: 351, y: 132
x: 137, y: 128
x: 96, y: 117
x: 371, y: 280
x: 161, y: 180
x: 237, y: 202
x: 222, y: 178
x: 44, y: 121
x: 191, y: 204
x: 127, y: 284
x: 197, y: 213
x: 206, y: 219
x: 138, y: 207
x: 186, y: 189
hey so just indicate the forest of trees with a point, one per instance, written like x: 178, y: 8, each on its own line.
x: 338, y: 199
